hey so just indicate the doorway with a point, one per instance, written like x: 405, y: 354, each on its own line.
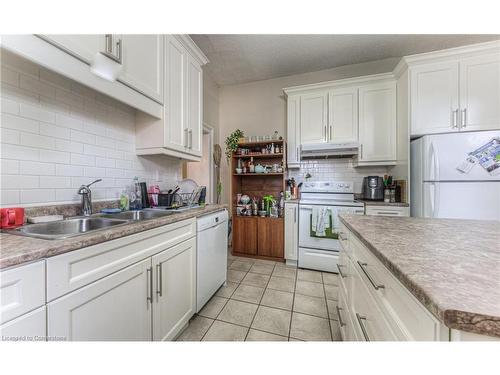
x: 197, y: 171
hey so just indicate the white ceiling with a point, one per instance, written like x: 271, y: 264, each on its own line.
x: 246, y: 58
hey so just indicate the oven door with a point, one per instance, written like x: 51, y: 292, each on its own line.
x: 307, y: 238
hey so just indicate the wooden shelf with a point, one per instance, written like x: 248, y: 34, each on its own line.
x: 258, y: 174
x: 258, y: 156
x: 250, y: 144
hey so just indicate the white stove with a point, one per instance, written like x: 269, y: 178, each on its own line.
x: 319, y: 207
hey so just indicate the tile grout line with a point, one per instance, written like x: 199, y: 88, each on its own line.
x: 259, y: 304
x: 293, y: 303
x: 327, y: 311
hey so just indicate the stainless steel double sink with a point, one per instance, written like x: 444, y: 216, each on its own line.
x: 82, y: 225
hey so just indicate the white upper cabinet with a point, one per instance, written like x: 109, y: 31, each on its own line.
x: 194, y: 86
x: 313, y: 117
x: 143, y: 64
x: 179, y: 133
x: 480, y: 92
x: 377, y: 123
x: 434, y: 98
x: 85, y: 46
x: 343, y: 115
x: 293, y: 132
x: 175, y: 96
x: 461, y: 92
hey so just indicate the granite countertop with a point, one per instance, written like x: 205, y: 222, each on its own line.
x: 451, y: 266
x: 15, y: 249
x: 382, y: 203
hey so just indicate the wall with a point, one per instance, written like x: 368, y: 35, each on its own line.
x: 259, y: 108
x: 57, y: 134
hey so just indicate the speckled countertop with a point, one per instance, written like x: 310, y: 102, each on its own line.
x: 15, y: 250
x: 451, y: 266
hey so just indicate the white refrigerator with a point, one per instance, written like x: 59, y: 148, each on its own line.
x: 444, y: 184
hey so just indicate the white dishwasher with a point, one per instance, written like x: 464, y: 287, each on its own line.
x: 212, y: 256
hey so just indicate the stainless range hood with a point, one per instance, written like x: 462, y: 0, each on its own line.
x: 322, y: 150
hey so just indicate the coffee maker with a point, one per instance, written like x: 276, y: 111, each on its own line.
x: 373, y: 188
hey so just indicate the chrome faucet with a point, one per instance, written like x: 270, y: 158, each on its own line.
x: 86, y: 194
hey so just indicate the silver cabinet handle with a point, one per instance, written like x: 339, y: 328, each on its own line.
x: 342, y: 236
x: 361, y: 323
x: 463, y: 118
x: 375, y: 285
x: 119, y: 54
x: 297, y: 155
x: 360, y: 151
x: 108, y: 47
x: 341, y: 322
x: 149, y: 297
x: 330, y: 135
x: 454, y: 123
x: 190, y: 138
x: 186, y: 138
x: 295, y: 214
x: 339, y: 267
x: 159, y: 280
x: 326, y: 133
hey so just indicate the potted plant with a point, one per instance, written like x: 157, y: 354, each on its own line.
x: 232, y: 142
x: 268, y: 199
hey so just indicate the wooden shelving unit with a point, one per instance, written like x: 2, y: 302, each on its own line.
x: 254, y: 236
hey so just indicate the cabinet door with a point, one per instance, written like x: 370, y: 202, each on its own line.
x: 434, y: 98
x: 175, y: 95
x: 480, y: 93
x: 175, y: 289
x: 31, y: 325
x: 85, y: 46
x: 291, y: 231
x: 194, y: 105
x: 293, y: 132
x: 245, y: 235
x: 377, y: 122
x: 343, y: 115
x: 143, y: 64
x: 313, y: 117
x: 270, y: 237
x: 115, y: 308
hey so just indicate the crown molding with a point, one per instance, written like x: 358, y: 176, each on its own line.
x: 192, y: 48
x: 339, y: 83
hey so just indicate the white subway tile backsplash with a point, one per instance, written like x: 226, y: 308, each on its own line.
x: 68, y: 170
x: 82, y: 137
x: 19, y: 152
x: 39, y: 141
x: 37, y: 196
x: 9, y: 166
x: 103, y: 162
x: 19, y: 182
x: 36, y: 113
x: 9, y: 197
x: 19, y: 123
x: 79, y: 159
x: 68, y: 135
x: 54, y: 131
x: 55, y: 182
x: 55, y: 156
x: 36, y: 168
x: 9, y: 136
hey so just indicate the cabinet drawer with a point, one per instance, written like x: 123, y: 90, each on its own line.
x: 343, y: 270
x: 344, y: 318
x: 73, y: 270
x: 408, y: 318
x: 22, y: 289
x: 368, y: 319
x: 32, y: 326
x: 387, y: 211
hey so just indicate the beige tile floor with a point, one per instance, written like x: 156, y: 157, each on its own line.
x: 268, y: 301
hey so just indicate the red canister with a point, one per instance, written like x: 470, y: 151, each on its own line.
x: 11, y: 217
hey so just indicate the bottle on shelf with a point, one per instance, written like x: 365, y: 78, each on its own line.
x: 251, y: 166
x: 135, y: 202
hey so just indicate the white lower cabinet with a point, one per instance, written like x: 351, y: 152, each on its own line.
x: 175, y: 289
x: 117, y: 307
x: 291, y: 231
x: 28, y: 327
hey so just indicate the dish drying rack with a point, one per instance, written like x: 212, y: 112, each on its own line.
x: 190, y: 199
